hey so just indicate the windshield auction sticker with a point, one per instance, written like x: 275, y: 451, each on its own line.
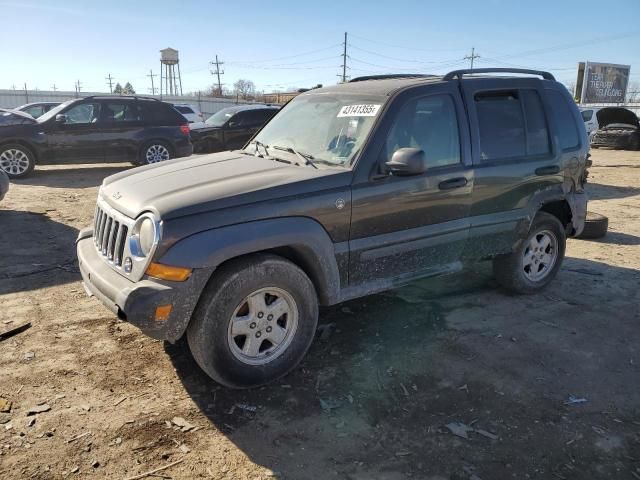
x: 359, y: 111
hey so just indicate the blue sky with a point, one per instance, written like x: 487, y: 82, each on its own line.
x: 284, y: 44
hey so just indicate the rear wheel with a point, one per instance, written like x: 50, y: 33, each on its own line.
x: 536, y: 261
x: 255, y: 321
x: 154, y: 152
x: 16, y: 160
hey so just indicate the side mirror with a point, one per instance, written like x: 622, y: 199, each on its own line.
x: 407, y: 161
x: 61, y: 118
x: 232, y: 124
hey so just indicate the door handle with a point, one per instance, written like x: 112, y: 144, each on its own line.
x: 452, y: 183
x: 548, y: 170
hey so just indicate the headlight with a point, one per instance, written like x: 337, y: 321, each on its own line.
x: 145, y: 235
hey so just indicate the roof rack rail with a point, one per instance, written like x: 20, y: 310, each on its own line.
x: 390, y: 75
x: 460, y: 73
x: 111, y: 95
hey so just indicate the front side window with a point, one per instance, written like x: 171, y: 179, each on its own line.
x: 83, y: 113
x: 330, y: 127
x: 429, y: 124
x: 219, y: 118
x: 122, y: 112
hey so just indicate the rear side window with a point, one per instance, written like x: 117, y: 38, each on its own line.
x: 501, y: 125
x: 184, y: 109
x: 565, y: 123
x: 537, y: 132
x: 122, y: 112
x: 255, y: 118
x: 587, y: 115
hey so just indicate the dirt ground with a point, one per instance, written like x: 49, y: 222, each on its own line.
x: 373, y: 398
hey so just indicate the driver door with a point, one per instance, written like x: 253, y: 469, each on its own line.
x: 406, y: 227
x: 79, y: 138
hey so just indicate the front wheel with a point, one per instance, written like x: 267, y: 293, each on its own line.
x: 255, y: 321
x: 536, y: 260
x: 16, y: 160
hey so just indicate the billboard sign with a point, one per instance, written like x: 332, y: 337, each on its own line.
x: 604, y: 82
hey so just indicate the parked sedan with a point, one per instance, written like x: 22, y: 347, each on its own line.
x: 619, y: 128
x: 37, y: 109
x: 230, y: 128
x: 94, y: 129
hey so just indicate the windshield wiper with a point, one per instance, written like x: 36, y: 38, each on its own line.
x: 306, y: 158
x: 258, y: 143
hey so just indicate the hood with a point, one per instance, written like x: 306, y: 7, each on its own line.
x: 208, y: 182
x: 200, y: 126
x: 609, y: 115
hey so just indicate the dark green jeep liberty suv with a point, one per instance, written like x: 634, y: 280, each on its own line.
x: 347, y: 191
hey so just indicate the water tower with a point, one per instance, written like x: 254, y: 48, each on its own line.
x: 168, y: 62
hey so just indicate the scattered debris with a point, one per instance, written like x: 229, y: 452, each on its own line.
x: 326, y: 330
x: 462, y: 430
x: 151, y: 472
x: 95, y: 464
x: 403, y: 453
x: 38, y: 409
x: 31, y: 422
x: 122, y: 399
x: 75, y: 469
x: 86, y: 407
x: 574, y: 400
x: 29, y: 356
x: 184, y: 449
x: 248, y: 408
x: 78, y: 437
x: 5, y: 405
x: 14, y: 331
x: 328, y: 405
x: 183, y: 424
x: 404, y: 390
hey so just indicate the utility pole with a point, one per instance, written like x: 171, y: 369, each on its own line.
x: 217, y: 72
x: 472, y: 57
x: 26, y: 93
x: 109, y: 80
x: 54, y: 88
x: 78, y: 88
x: 153, y: 88
x: 344, y: 60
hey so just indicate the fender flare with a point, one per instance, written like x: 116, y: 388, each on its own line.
x: 577, y: 202
x: 306, y: 237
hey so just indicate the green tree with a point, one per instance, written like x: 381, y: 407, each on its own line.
x: 118, y: 89
x: 128, y: 89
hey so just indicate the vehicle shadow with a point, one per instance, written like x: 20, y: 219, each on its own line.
x: 599, y: 191
x: 387, y: 372
x: 71, y: 177
x: 32, y: 257
x: 616, y: 238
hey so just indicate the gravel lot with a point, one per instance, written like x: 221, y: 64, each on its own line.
x: 374, y: 396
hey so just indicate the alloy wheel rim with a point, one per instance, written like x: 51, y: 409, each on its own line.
x: 157, y: 153
x: 262, y: 326
x: 540, y: 255
x: 14, y: 161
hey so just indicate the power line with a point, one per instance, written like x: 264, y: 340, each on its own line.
x: 405, y: 47
x: 109, y: 80
x: 292, y: 56
x: 387, y: 56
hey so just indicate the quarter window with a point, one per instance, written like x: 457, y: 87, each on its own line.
x: 537, y: 132
x: 587, y: 115
x: 429, y: 124
x: 565, y: 123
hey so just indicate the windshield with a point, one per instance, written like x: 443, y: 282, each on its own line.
x: 220, y: 118
x: 54, y: 111
x: 328, y: 127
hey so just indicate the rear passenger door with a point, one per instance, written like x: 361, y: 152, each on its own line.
x: 122, y: 127
x: 514, y: 157
x: 405, y: 227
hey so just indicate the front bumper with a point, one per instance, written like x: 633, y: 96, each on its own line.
x: 136, y: 302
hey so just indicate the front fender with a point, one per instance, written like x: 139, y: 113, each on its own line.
x: 306, y: 237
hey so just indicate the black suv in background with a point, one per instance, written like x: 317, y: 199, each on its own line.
x: 349, y: 190
x: 95, y: 129
x: 230, y: 128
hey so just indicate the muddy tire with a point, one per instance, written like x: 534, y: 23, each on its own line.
x: 254, y: 322
x: 635, y: 143
x: 16, y: 160
x: 154, y: 152
x: 536, y: 260
x: 595, y: 226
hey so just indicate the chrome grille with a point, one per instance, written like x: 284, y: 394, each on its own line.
x: 110, y: 235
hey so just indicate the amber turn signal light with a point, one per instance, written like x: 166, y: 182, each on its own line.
x: 167, y: 272
x: 163, y: 312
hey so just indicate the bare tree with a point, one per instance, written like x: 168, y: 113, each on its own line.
x: 244, y: 89
x: 633, y: 92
